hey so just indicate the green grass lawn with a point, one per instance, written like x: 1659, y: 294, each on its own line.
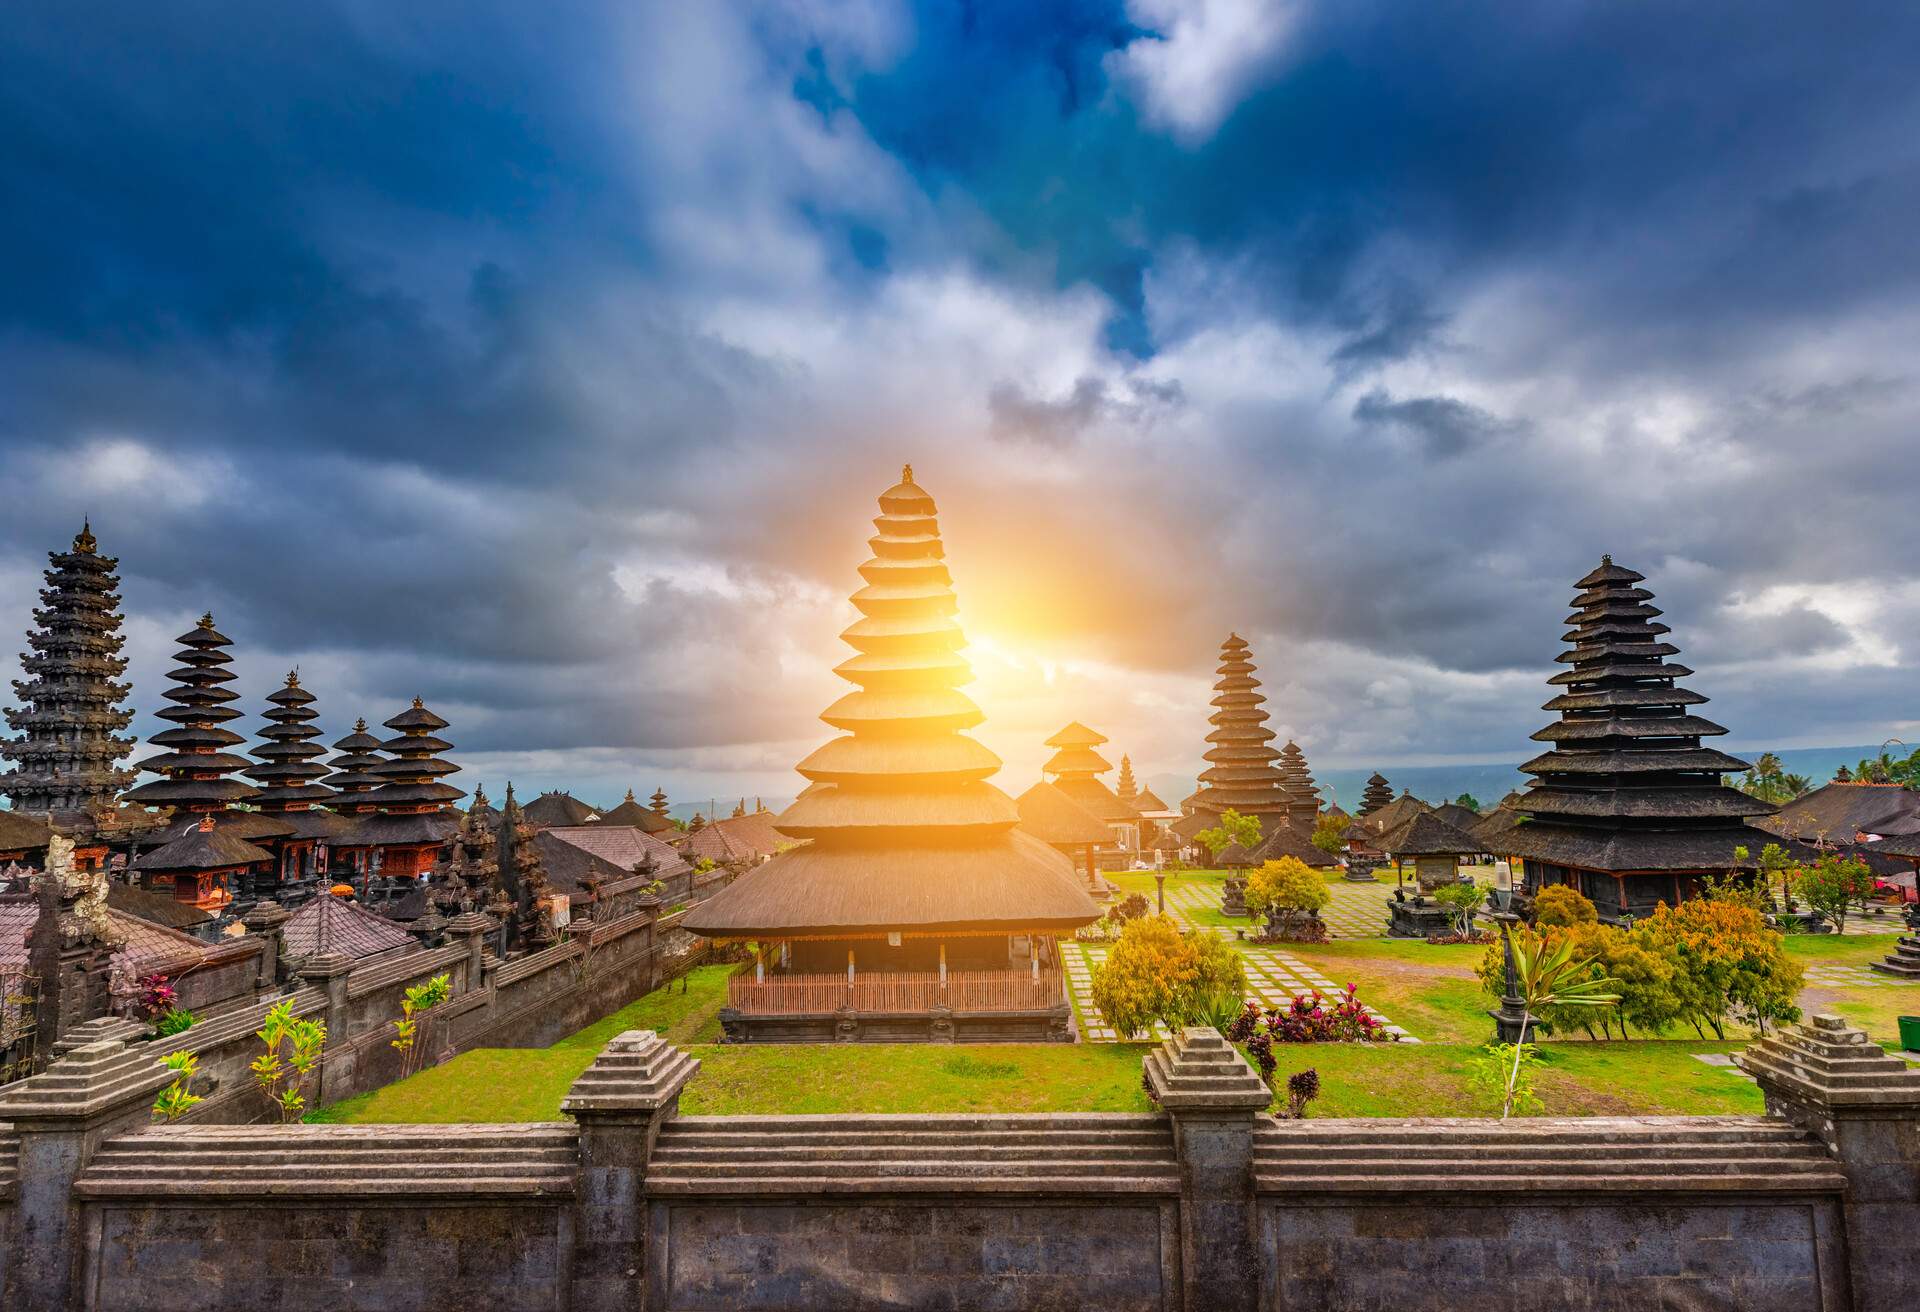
x: 1429, y: 989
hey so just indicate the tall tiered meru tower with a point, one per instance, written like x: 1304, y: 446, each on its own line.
x: 70, y: 712
x: 1628, y: 807
x: 1241, y: 774
x: 914, y: 908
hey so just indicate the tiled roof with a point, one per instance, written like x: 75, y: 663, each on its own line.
x: 625, y: 846
x: 737, y: 838
x: 152, y: 948
x: 337, y: 924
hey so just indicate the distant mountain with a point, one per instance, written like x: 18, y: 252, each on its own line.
x: 1489, y: 783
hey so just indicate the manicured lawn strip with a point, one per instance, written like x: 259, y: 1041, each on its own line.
x: 791, y: 1079
x: 1840, y: 949
x: 526, y: 1084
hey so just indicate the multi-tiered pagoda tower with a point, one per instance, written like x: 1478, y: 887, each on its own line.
x: 289, y: 775
x: 1076, y: 767
x: 208, y: 860
x: 1628, y: 807
x: 70, y: 714
x: 413, y: 826
x: 1241, y: 775
x: 1376, y: 794
x: 913, y: 888
x: 1303, y: 806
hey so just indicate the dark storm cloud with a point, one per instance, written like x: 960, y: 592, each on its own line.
x: 431, y: 341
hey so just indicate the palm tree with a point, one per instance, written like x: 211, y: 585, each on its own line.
x: 1547, y: 975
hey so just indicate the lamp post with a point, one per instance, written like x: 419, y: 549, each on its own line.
x: 1511, y: 1024
x: 1160, y: 889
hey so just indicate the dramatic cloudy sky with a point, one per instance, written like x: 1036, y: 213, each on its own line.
x: 544, y: 360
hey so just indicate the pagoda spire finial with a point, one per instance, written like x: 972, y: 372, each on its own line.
x: 206, y: 619
x: 906, y: 473
x: 418, y: 704
x: 293, y: 677
x: 1606, y: 558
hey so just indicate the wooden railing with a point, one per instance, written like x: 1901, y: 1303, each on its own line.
x: 896, y: 991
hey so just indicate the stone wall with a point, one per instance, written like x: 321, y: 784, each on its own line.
x: 1211, y: 1206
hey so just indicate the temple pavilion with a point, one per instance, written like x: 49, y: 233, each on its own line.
x: 918, y: 909
x: 410, y: 831
x: 1076, y: 766
x: 1627, y: 806
x: 289, y: 777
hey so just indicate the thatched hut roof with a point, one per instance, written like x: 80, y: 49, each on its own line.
x: 22, y: 833
x: 1426, y: 834
x: 1234, y: 857
x: 907, y: 835
x: 1286, y: 841
x: 1057, y: 820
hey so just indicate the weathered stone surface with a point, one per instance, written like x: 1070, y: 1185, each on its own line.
x: 636, y: 1071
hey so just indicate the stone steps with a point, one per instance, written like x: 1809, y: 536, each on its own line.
x: 1905, y: 961
x: 873, y: 1154
x: 1661, y: 1154
x: 336, y: 1160
x: 9, y: 1163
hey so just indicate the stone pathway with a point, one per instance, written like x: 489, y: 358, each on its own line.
x: 1832, y: 975
x: 1356, y: 910
x: 1275, y: 978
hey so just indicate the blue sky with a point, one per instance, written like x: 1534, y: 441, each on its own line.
x: 544, y: 360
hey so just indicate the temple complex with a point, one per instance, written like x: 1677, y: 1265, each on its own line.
x: 1627, y: 806
x: 67, y: 759
x: 645, y: 818
x: 917, y: 909
x: 1241, y: 775
x: 413, y: 825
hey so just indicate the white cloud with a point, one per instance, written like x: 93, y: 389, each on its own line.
x: 1205, y: 57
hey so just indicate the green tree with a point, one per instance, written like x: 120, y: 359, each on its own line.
x: 1562, y: 904
x: 1727, y: 964
x: 1832, y: 884
x: 1285, y: 890
x: 1233, y: 828
x: 1463, y: 900
x: 1467, y: 800
x: 293, y: 1048
x: 1157, y: 974
x: 1330, y: 833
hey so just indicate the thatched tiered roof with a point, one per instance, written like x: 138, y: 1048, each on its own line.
x: 1304, y: 799
x: 356, y: 772
x: 1286, y: 841
x: 1426, y: 834
x: 1241, y: 775
x: 1059, y: 821
x: 632, y: 812
x: 908, y: 835
x: 1627, y: 785
x: 1370, y: 826
x: 1076, y: 767
x: 413, y: 802
x: 558, y: 809
x: 290, y: 771
x: 70, y: 713
x: 194, y: 771
x: 1463, y: 818
x: 1376, y: 794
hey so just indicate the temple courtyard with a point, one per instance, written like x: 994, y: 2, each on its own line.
x: 1428, y: 994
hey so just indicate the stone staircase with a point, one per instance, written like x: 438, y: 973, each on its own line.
x: 9, y: 1162
x: 1905, y: 961
x: 298, y: 1161
x: 1640, y: 1154
x: 1117, y: 1153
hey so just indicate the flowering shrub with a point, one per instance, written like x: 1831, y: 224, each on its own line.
x: 156, y: 997
x: 1310, y: 1018
x: 1302, y: 1088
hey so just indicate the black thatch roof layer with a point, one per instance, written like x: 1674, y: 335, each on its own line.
x: 1376, y: 794
x: 1286, y: 841
x: 558, y: 809
x: 203, y: 848
x: 20, y: 833
x: 1460, y: 817
x: 907, y: 834
x: 1304, y: 799
x: 638, y: 815
x: 1241, y: 775
x: 1426, y: 834
x: 1627, y: 785
x: 195, y: 777
x: 1839, y: 813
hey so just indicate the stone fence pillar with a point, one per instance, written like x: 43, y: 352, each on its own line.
x: 1215, y: 1099
x: 62, y: 1116
x: 329, y: 971
x: 267, y: 919
x: 472, y: 928
x: 1832, y: 1080
x: 621, y: 1101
